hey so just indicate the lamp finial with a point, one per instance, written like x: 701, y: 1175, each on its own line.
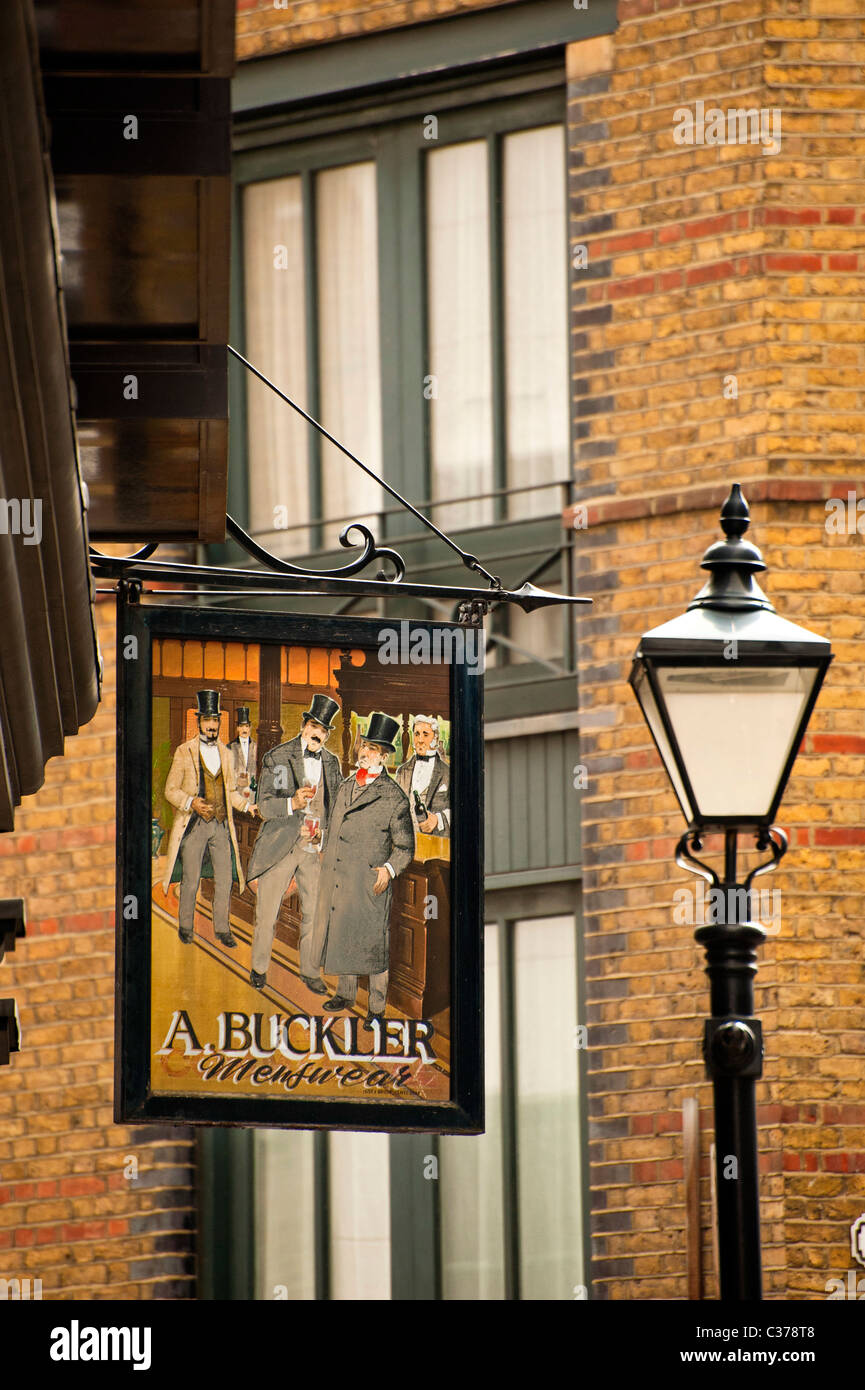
x: 732, y: 562
x: 735, y: 516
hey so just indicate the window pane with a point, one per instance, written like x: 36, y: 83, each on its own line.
x: 285, y: 1214
x: 755, y: 709
x: 473, y: 1259
x: 536, y: 317
x: 359, y: 1184
x: 350, y: 391
x: 548, y: 1132
x: 460, y: 352
x: 276, y: 344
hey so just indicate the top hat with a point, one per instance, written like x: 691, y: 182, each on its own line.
x: 382, y: 730
x: 323, y: 710
x: 242, y: 715
x: 208, y: 703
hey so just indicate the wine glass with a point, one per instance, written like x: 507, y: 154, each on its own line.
x: 312, y: 823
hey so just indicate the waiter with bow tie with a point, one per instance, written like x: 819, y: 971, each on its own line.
x: 244, y: 753
x: 370, y: 841
x: 299, y: 780
x: 425, y: 778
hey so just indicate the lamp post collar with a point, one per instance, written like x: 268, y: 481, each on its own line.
x: 732, y: 563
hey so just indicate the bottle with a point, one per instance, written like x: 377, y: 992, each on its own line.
x: 420, y: 809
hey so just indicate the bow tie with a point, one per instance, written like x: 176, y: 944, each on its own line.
x: 364, y: 776
x: 424, y: 757
x: 308, y: 753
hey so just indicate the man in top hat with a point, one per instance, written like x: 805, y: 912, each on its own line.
x: 244, y: 753
x: 299, y: 779
x: 370, y: 841
x: 425, y: 778
x: 202, y: 788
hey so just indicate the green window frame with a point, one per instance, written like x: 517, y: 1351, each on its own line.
x: 394, y: 140
x: 227, y: 1176
x: 391, y: 133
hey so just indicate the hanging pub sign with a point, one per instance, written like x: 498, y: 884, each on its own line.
x: 299, y: 872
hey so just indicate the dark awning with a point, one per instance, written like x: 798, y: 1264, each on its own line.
x: 49, y: 683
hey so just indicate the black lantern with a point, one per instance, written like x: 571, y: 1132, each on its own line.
x: 727, y: 690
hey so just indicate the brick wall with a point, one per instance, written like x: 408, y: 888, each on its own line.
x: 275, y: 26
x: 71, y: 1212
x: 707, y: 263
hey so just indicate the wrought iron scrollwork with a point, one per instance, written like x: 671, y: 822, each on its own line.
x: 685, y: 859
x: 775, y: 839
x: 280, y: 576
x: 371, y: 551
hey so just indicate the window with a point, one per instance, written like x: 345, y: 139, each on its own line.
x: 405, y: 280
x: 547, y: 1111
x: 284, y: 1197
x: 359, y: 1206
x: 322, y: 1215
x: 295, y: 477
x: 512, y: 1201
x: 507, y: 1222
x: 472, y: 1175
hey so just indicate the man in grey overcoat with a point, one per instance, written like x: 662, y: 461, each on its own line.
x: 369, y: 842
x: 425, y: 777
x: 299, y: 779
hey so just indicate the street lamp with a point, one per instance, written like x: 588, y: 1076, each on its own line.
x: 727, y: 690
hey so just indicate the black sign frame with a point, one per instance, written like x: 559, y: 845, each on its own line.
x: 135, y: 1102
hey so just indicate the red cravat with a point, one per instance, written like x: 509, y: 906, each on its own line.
x: 364, y: 775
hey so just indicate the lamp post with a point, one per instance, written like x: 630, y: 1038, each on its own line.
x: 727, y: 690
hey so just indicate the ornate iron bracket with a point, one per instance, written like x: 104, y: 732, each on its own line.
x: 289, y: 579
x: 684, y: 858
x: 775, y: 839
x: 772, y: 837
x: 371, y: 551
x: 281, y: 577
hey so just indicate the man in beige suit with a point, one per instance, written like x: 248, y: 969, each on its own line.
x: 201, y: 785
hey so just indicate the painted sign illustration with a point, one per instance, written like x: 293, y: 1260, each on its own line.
x: 312, y: 866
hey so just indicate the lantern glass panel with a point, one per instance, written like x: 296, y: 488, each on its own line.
x: 735, y: 725
x: 644, y: 694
